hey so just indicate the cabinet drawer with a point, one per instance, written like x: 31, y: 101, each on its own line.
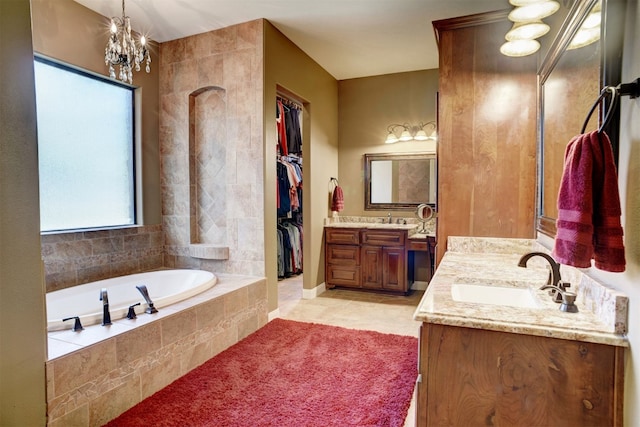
x: 343, y: 254
x: 338, y: 275
x: 418, y: 245
x: 346, y: 236
x: 384, y: 237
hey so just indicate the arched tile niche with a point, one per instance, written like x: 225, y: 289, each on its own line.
x: 207, y: 173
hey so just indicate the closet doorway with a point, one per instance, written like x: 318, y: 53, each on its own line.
x: 289, y: 197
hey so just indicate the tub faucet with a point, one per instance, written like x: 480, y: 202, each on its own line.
x: 150, y: 308
x: 106, y: 317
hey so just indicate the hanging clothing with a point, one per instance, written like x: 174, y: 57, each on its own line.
x: 281, y: 128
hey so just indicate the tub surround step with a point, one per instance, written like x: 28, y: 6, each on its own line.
x: 208, y: 251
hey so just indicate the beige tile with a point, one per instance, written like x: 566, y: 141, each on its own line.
x: 235, y: 302
x: 78, y: 368
x: 78, y: 417
x: 138, y: 342
x: 178, y: 326
x: 111, y: 404
x: 159, y: 376
x: 210, y: 313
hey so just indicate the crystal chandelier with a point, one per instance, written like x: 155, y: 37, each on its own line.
x: 122, y: 50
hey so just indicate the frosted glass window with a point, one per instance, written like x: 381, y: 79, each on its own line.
x: 85, y: 149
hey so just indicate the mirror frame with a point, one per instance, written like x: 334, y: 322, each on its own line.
x: 611, y: 39
x: 368, y: 158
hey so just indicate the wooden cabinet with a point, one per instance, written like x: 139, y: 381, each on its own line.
x: 480, y: 377
x: 366, y: 259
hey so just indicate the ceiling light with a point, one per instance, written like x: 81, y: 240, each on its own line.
x: 123, y: 50
x: 534, y: 11
x: 517, y: 48
x: 527, y: 30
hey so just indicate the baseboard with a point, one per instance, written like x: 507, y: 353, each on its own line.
x: 312, y: 293
x: 273, y: 315
x: 419, y: 286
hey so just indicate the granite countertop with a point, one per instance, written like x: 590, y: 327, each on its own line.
x: 500, y: 269
x: 378, y: 226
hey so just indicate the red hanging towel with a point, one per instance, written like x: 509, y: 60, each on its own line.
x: 337, y: 203
x: 588, y: 224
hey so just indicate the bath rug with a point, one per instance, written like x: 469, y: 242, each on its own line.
x: 291, y: 373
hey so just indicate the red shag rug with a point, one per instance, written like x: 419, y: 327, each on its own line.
x: 291, y: 374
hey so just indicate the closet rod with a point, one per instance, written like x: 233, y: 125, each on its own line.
x: 289, y: 102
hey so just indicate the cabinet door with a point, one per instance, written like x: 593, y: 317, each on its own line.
x: 480, y: 377
x: 394, y: 274
x: 371, y: 267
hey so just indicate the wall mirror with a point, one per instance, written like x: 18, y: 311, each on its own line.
x: 399, y: 181
x: 570, y: 79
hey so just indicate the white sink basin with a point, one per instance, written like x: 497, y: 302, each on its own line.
x: 495, y: 295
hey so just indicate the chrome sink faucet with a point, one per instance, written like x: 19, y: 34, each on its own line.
x: 389, y: 217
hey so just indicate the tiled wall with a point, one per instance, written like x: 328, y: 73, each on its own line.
x: 96, y: 383
x: 231, y: 61
x: 74, y: 258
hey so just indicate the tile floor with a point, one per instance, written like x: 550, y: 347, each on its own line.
x: 353, y: 309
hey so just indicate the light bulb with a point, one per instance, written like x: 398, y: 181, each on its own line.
x: 517, y: 48
x: 527, y: 30
x: 534, y: 11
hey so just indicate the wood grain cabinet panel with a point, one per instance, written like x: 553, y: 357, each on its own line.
x: 479, y: 377
x: 366, y: 259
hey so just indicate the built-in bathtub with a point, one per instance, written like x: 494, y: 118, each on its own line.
x: 165, y: 287
x: 95, y: 374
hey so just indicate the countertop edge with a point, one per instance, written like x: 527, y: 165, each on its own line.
x: 525, y: 329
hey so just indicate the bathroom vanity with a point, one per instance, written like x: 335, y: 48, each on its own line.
x: 496, y: 350
x: 371, y: 256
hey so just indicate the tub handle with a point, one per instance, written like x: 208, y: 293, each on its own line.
x: 131, y: 314
x: 77, y: 326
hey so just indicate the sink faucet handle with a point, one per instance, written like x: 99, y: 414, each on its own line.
x: 566, y: 298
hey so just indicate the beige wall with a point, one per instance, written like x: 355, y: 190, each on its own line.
x: 69, y: 32
x: 366, y: 107
x: 289, y: 67
x: 22, y: 332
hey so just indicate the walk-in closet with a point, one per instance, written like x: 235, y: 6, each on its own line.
x: 289, y: 186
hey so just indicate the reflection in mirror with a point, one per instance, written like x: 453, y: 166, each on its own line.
x: 399, y: 181
x: 570, y: 81
x: 565, y: 107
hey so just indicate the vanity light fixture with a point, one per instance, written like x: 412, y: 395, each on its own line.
x: 410, y: 133
x: 123, y: 50
x: 528, y: 26
x: 589, y: 31
x: 534, y: 11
